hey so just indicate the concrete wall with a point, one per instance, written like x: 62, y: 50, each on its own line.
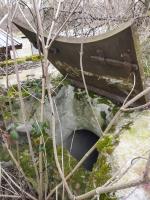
x: 27, y: 48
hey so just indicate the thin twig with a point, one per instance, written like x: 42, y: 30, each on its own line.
x: 136, y: 108
x: 10, y: 196
x: 86, y: 90
x: 133, y: 87
x: 16, y: 185
x: 65, y: 22
x: 116, y: 187
x: 146, y: 176
x: 27, y: 20
x: 45, y: 52
x: 21, y: 99
x: 62, y: 144
x: 3, y: 19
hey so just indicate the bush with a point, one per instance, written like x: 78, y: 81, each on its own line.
x: 33, y: 58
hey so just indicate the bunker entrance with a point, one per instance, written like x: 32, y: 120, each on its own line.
x: 78, y: 144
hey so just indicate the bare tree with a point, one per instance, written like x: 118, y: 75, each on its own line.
x: 75, y: 18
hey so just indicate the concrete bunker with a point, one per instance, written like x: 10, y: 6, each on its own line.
x: 79, y: 142
x: 108, y: 71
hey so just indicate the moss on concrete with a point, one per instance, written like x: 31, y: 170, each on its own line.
x: 102, y: 170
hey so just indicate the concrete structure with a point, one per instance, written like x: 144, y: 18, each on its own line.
x: 110, y: 61
x: 27, y: 48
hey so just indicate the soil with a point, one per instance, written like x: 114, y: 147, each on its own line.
x: 7, y: 184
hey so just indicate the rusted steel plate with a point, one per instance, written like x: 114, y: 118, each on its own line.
x: 109, y: 61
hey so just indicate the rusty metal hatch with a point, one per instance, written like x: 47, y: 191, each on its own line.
x: 109, y: 61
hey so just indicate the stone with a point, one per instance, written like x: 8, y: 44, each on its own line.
x: 71, y: 114
x: 76, y: 114
x: 132, y: 151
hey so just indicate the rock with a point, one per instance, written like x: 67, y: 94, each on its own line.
x: 75, y: 113
x: 7, y: 164
x: 22, y: 128
x: 132, y: 152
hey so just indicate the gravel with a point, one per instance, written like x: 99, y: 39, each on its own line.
x: 22, y: 66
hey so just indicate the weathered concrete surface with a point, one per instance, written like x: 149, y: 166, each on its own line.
x: 71, y: 113
x: 76, y: 114
x: 132, y: 152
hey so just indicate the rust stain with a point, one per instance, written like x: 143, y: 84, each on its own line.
x: 108, y: 61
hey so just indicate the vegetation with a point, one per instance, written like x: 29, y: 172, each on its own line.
x: 102, y: 170
x: 34, y: 154
x: 81, y: 180
x: 34, y: 58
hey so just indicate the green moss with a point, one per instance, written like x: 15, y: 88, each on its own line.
x: 34, y: 58
x: 12, y: 62
x: 115, y: 109
x: 103, y: 115
x: 29, y: 87
x: 101, y: 172
x: 102, y: 169
x: 92, y: 94
x: 82, y: 181
x: 127, y: 126
x: 79, y: 94
x: 27, y: 166
x: 104, y: 100
x: 147, y: 70
x: 100, y: 175
x: 107, y: 143
x: 79, y: 179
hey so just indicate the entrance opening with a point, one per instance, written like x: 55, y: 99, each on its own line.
x: 78, y: 144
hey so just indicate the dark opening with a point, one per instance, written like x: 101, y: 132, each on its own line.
x: 79, y: 142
